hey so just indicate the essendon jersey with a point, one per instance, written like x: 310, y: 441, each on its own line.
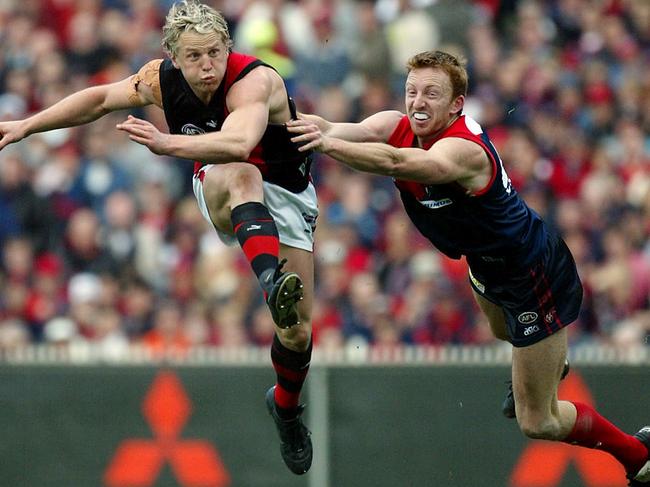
x: 492, y: 223
x: 277, y: 158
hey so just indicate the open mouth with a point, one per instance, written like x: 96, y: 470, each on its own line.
x: 420, y: 116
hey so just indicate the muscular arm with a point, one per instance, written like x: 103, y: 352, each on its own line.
x: 449, y: 159
x: 248, y: 102
x: 81, y: 107
x: 412, y: 164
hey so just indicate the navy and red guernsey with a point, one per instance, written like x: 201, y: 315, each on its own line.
x: 493, y: 223
x: 277, y: 158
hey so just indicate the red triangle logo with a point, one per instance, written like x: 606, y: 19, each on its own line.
x: 137, y: 461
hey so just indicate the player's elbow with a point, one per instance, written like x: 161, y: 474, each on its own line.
x: 98, y: 112
x: 241, y: 151
x: 238, y: 146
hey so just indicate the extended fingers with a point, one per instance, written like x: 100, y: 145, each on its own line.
x: 304, y: 136
x: 300, y: 126
x: 133, y: 129
x: 132, y: 121
x: 304, y: 130
x: 313, y: 145
x: 307, y: 141
x: 136, y: 120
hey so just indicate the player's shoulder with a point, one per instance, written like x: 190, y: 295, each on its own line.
x: 394, y: 116
x: 260, y: 73
x: 259, y: 82
x: 146, y: 82
x: 154, y: 65
x: 385, y: 121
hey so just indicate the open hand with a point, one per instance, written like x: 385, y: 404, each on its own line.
x: 11, y: 132
x: 310, y: 136
x: 144, y: 133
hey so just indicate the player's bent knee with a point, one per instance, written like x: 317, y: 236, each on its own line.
x: 538, y: 429
x: 296, y: 338
x: 246, y: 183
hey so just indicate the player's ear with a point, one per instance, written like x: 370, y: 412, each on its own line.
x: 457, y: 105
x: 174, y: 62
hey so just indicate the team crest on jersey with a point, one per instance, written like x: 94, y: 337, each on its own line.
x: 191, y: 129
x: 435, y: 204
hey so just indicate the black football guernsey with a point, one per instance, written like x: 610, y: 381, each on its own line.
x: 277, y: 158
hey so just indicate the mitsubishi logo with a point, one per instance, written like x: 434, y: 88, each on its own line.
x: 138, y: 461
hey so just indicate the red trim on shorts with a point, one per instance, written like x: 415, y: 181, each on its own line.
x: 544, y: 299
x: 550, y: 295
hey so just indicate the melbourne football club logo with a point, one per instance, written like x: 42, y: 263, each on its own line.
x: 191, y: 129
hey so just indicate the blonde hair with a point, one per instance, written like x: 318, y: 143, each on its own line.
x: 452, y: 65
x: 191, y: 15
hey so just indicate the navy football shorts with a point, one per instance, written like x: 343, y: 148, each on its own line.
x: 537, y: 300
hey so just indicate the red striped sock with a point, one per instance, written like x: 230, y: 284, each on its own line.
x: 291, y: 369
x: 593, y: 431
x: 258, y: 236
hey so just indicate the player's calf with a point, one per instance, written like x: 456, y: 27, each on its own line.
x: 284, y: 292
x: 508, y: 406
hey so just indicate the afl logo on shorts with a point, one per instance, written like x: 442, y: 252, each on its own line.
x: 191, y: 129
x: 527, y: 317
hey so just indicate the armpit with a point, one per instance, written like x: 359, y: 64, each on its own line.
x: 149, y: 77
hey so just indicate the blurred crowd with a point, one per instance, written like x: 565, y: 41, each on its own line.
x: 101, y: 241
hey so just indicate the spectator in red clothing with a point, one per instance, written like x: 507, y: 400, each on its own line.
x: 167, y: 335
x: 574, y: 78
x: 46, y: 298
x: 571, y: 165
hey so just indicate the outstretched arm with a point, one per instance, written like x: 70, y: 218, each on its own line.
x: 79, y: 108
x: 448, y: 160
x: 377, y: 158
x: 376, y: 128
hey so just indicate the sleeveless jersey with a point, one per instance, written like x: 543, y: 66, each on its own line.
x: 493, y: 224
x: 277, y: 158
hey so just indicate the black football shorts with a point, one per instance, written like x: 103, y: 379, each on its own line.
x: 537, y: 300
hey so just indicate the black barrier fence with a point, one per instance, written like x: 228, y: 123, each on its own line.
x: 419, y: 425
